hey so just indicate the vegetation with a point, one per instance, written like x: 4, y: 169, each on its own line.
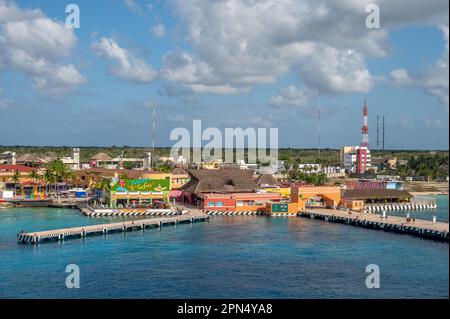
x: 101, y: 188
x: 128, y: 165
x: 432, y: 166
x: 316, y: 179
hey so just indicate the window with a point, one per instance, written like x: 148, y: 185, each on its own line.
x: 239, y: 203
x: 210, y: 204
x: 219, y: 204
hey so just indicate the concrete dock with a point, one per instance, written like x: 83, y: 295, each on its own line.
x: 421, y: 228
x: 80, y: 232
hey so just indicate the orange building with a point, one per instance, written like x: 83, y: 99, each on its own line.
x: 316, y: 196
x: 239, y: 202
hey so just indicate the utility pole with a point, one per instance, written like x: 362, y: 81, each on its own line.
x: 383, y: 133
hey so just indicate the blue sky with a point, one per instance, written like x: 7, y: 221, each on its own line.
x: 228, y: 63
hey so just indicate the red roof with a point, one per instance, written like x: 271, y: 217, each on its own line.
x: 13, y: 168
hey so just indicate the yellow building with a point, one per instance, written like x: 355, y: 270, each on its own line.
x: 178, y: 178
x: 285, y: 192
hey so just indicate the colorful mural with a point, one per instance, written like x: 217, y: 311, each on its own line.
x: 141, y: 185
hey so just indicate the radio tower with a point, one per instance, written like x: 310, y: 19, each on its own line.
x: 318, y: 128
x: 365, y: 128
x: 378, y: 132
x: 154, y: 127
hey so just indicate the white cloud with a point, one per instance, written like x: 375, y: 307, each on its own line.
x: 35, y: 45
x: 219, y: 89
x: 132, y: 6
x: 433, y: 79
x: 124, y: 64
x: 291, y: 96
x: 159, y: 30
x: 236, y: 42
x: 401, y: 77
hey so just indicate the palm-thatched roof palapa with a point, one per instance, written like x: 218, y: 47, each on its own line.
x: 101, y: 157
x: 220, y: 181
x: 267, y: 180
x: 179, y: 171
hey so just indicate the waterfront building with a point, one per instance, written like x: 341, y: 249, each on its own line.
x: 238, y: 202
x: 226, y: 190
x: 8, y: 174
x: 139, y: 192
x: 85, y: 178
x: 267, y: 181
x: 179, y: 177
x: 316, y: 196
x: 377, y: 196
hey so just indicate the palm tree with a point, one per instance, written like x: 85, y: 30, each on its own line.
x: 57, y: 171
x: 16, y: 176
x: 101, y: 187
x: 34, y: 176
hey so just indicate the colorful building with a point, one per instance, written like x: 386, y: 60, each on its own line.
x: 316, y: 197
x: 239, y: 202
x: 139, y: 192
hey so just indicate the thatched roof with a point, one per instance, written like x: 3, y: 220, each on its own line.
x: 267, y: 179
x: 220, y: 181
x: 27, y: 158
x: 178, y: 171
x: 101, y: 157
x: 376, y: 194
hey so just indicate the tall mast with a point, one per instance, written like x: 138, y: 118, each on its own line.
x: 154, y: 127
x: 318, y: 128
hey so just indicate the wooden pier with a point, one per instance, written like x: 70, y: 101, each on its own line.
x: 420, y: 227
x: 81, y: 232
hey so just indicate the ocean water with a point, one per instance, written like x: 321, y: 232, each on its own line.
x: 227, y: 257
x: 441, y: 212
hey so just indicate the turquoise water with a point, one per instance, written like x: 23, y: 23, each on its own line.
x: 441, y: 212
x: 227, y: 257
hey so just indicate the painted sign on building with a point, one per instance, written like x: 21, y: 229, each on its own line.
x: 141, y: 185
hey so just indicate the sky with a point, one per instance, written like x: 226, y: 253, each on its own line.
x: 228, y: 63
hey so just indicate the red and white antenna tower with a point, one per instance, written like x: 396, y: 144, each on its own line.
x: 365, y: 128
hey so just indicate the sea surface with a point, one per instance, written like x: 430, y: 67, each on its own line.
x: 227, y: 257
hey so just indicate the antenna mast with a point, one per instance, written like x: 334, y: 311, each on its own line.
x: 318, y: 128
x: 154, y: 127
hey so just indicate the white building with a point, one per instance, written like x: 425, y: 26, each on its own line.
x: 73, y: 162
x: 355, y: 158
x: 8, y: 158
x: 310, y: 168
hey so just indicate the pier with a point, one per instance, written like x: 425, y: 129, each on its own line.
x: 81, y: 232
x: 421, y: 228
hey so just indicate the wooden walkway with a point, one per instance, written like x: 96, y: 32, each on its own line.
x: 80, y: 232
x: 421, y: 228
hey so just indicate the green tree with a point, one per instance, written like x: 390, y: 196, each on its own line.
x: 128, y: 165
x: 16, y: 176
